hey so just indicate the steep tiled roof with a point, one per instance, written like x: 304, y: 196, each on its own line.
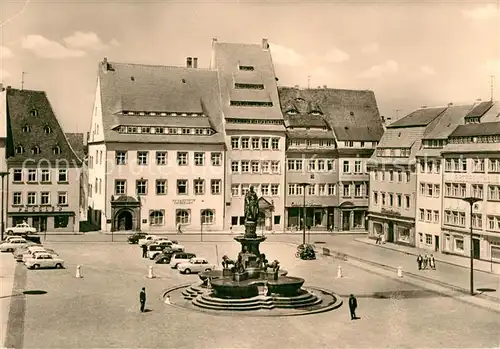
x: 310, y: 134
x: 441, y: 127
x: 480, y: 109
x: 352, y: 114
x: 493, y: 114
x: 300, y: 120
x: 3, y: 115
x: 76, y: 142
x: 471, y: 148
x: 419, y: 117
x: 482, y: 129
x: 227, y: 58
x: 401, y: 138
x: 149, y: 88
x: 33, y: 109
x: 173, y: 121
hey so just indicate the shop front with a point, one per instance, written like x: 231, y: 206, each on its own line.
x: 44, y: 218
x: 318, y: 217
x: 395, y: 230
x: 352, y: 217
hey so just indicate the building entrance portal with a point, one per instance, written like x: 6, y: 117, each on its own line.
x: 124, y: 220
x: 126, y: 213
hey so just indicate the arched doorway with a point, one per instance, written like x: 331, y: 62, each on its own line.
x: 124, y: 220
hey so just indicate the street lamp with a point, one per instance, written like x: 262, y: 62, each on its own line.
x: 471, y: 201
x: 2, y: 224
x: 304, y: 186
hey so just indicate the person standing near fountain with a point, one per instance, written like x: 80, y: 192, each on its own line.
x: 353, y: 304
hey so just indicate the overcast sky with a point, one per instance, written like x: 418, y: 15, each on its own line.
x: 409, y: 53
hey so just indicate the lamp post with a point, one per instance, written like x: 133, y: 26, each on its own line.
x: 2, y: 224
x: 304, y: 186
x: 471, y: 201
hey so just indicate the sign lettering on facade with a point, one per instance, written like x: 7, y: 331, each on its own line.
x: 308, y: 204
x: 183, y: 201
x: 391, y: 212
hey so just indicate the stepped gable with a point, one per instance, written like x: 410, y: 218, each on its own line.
x: 34, y: 125
x: 352, y: 114
x: 157, y: 89
x: 247, y: 64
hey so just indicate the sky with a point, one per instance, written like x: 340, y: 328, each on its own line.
x: 409, y: 53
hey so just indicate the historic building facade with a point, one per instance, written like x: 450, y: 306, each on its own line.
x: 254, y: 131
x: 44, y: 170
x: 156, y: 149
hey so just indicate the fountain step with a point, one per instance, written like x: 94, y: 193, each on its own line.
x: 208, y: 301
x: 298, y: 305
x: 230, y: 300
x: 200, y: 304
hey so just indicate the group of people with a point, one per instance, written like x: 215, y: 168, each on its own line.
x: 425, y: 261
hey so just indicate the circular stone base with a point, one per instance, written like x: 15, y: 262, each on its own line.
x: 198, y: 298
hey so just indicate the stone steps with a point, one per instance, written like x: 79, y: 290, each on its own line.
x: 192, y: 292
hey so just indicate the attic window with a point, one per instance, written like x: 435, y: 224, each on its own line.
x: 300, y: 99
x: 183, y: 81
x: 246, y: 67
x: 34, y: 112
x: 163, y: 114
x: 130, y: 113
x: 56, y: 150
x: 292, y: 112
x: 152, y: 113
x: 315, y: 112
x: 36, y: 150
x: 47, y: 129
x: 173, y: 114
x: 183, y: 114
x: 19, y: 149
x: 27, y: 128
x: 351, y: 113
x: 132, y: 78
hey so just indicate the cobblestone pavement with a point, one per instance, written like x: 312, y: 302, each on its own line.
x: 102, y: 309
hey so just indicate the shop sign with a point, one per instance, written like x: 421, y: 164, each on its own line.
x: 391, y: 212
x: 183, y: 201
x: 39, y: 208
x: 308, y: 204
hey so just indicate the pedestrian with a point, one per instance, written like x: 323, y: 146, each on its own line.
x: 379, y: 239
x: 353, y: 304
x: 420, y: 261
x: 179, y: 231
x: 142, y: 299
x: 432, y: 262
x: 144, y: 251
x: 426, y: 260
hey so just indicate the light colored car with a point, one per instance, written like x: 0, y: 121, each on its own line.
x: 180, y: 257
x: 21, y: 228
x: 29, y: 252
x: 173, y: 246
x: 18, y: 252
x: 146, y: 239
x: 195, y: 265
x: 154, y: 250
x: 44, y: 260
x: 13, y: 244
x: 8, y: 238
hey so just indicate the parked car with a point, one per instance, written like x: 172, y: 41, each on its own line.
x: 146, y: 239
x: 154, y: 250
x: 21, y: 229
x: 135, y: 237
x: 195, y: 265
x: 164, y: 257
x: 29, y: 252
x: 13, y: 244
x: 8, y: 238
x: 18, y: 252
x: 44, y: 260
x: 180, y: 257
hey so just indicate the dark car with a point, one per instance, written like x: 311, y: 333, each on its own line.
x: 134, y: 238
x: 164, y: 257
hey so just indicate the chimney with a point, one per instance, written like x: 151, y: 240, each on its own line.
x: 195, y: 62
x: 189, y: 62
x: 265, y: 44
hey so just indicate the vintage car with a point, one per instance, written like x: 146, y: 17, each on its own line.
x: 164, y: 257
x: 195, y: 265
x: 154, y: 250
x: 13, y: 244
x: 29, y: 252
x: 135, y: 237
x: 21, y: 229
x: 147, y: 239
x: 180, y: 257
x: 18, y: 252
x: 44, y: 260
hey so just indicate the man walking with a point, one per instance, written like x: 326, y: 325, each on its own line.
x: 353, y: 304
x: 432, y: 262
x: 142, y: 299
x: 419, y: 261
x: 426, y: 260
x: 179, y: 225
x: 144, y: 251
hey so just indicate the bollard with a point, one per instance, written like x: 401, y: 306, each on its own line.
x: 150, y: 273
x: 400, y: 272
x: 167, y: 299
x: 339, y: 272
x: 78, y: 272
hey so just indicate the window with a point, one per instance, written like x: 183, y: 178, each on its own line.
x: 400, y: 177
x: 391, y: 200
x: 56, y: 150
x: 45, y: 176
x: 17, y: 199
x: 120, y: 157
x: 430, y: 166
x: 199, y: 186
x: 264, y: 189
x: 161, y: 186
x: 142, y: 158
x: 235, y: 166
x: 235, y: 190
x: 245, y: 166
x: 120, y: 187
x: 207, y: 217
x: 265, y: 143
x: 407, y: 177
x: 275, y: 189
x: 141, y: 187
x: 275, y: 166
x: 312, y: 190
x: 45, y: 198
x: 459, y: 244
x: 215, y: 186
x: 255, y: 166
x: 275, y: 143
x: 31, y: 176
x: 428, y: 215
x: 430, y: 190
x: 478, y: 165
x: 156, y: 217
x: 255, y: 143
x: 18, y: 175
x: 182, y: 216
x: 161, y: 158
x: 383, y: 198
x: 330, y: 164
x: 400, y: 200
x: 62, y: 198
x: 375, y: 198
x: 235, y: 143
x: 331, y: 189
x: 27, y: 128
x: 357, y: 166
x: 216, y: 159
x: 437, y: 168
x: 422, y: 188
x: 437, y: 191
x: 245, y: 142
x: 346, y: 167
x: 19, y: 149
x: 428, y: 239
x: 494, y: 165
x: 477, y: 191
x: 493, y: 192
x: 349, y: 144
x: 182, y: 187
x: 182, y: 158
x: 31, y: 198
x: 322, y: 189
x: 436, y: 216
x: 407, y: 202
x: 346, y: 190
x: 62, y: 175
x: 199, y: 159
x: 357, y: 190
x: 311, y: 165
x: 292, y: 189
x: 477, y: 220
x: 321, y: 165
x: 422, y: 214
x: 391, y: 176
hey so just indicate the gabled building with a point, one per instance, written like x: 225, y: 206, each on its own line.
x: 156, y: 148
x: 254, y: 130
x: 76, y: 140
x: 44, y: 171
x: 393, y: 177
x: 311, y: 157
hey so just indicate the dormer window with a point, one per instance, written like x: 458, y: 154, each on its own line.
x: 183, y: 114
x: 173, y: 114
x: 47, y: 129
x: 300, y: 99
x: 27, y: 128
x: 292, y: 112
x: 56, y: 150
x: 19, y: 149
x: 34, y: 112
x: 130, y: 113
x: 35, y: 150
x: 315, y: 112
x: 152, y: 113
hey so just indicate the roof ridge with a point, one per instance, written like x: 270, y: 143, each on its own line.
x: 159, y: 66
x: 323, y: 89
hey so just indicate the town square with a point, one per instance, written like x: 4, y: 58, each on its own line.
x: 258, y: 174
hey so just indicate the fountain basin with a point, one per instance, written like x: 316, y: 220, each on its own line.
x: 218, y: 274
x: 285, y: 286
